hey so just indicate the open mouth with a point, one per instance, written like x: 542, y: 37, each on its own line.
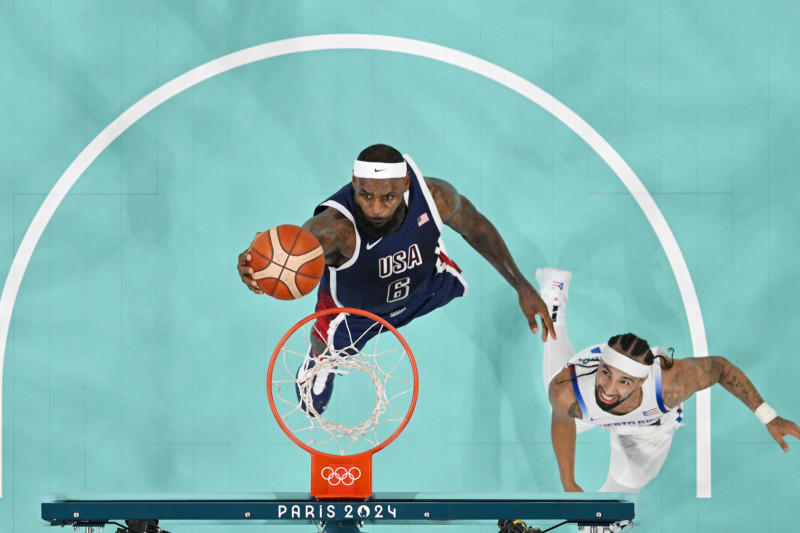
x: 605, y: 399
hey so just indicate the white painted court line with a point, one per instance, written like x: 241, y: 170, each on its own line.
x: 402, y: 46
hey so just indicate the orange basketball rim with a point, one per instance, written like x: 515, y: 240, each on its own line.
x: 341, y: 476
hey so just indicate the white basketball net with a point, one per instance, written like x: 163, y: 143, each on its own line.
x: 382, y: 360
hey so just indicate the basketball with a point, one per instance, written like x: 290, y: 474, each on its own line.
x: 287, y: 261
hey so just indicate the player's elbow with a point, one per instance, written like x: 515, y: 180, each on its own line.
x: 720, y: 367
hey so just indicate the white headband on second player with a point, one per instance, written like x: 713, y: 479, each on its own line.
x: 623, y: 363
x: 379, y: 171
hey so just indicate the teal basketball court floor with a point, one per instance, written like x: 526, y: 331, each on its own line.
x: 134, y: 361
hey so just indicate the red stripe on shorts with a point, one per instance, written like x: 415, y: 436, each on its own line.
x: 323, y: 323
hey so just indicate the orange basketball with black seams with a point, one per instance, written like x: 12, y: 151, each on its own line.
x: 287, y: 261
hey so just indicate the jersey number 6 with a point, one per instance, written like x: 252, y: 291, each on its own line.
x: 398, y: 289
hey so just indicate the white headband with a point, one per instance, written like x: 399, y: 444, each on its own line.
x: 623, y: 363
x: 379, y: 171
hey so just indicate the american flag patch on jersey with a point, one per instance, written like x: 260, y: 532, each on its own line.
x: 422, y: 219
x: 651, y: 412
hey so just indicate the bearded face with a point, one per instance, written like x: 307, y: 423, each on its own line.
x: 379, y: 205
x: 613, y: 387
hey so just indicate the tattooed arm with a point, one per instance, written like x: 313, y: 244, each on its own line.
x: 335, y: 233
x: 459, y: 213
x: 690, y: 375
x: 562, y: 428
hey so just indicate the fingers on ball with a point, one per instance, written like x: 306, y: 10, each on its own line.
x: 287, y: 261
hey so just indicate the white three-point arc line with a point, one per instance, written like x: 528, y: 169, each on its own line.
x: 402, y: 46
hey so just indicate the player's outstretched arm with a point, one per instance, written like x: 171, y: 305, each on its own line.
x: 688, y: 376
x: 562, y: 428
x: 459, y: 213
x: 334, y: 232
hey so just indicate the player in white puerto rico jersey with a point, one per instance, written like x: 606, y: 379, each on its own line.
x: 651, y: 410
x: 634, y: 392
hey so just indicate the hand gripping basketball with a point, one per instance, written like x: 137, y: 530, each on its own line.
x: 287, y: 261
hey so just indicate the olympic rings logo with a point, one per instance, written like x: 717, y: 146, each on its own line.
x: 340, y: 475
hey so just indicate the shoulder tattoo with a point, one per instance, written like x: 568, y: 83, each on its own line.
x: 444, y: 196
x: 692, y: 375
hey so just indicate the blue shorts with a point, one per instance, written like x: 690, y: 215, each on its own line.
x: 445, y: 285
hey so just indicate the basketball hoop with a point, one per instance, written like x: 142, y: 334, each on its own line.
x: 378, y: 365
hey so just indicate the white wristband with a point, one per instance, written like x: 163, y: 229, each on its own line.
x: 765, y: 413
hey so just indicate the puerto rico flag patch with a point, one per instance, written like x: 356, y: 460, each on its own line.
x: 422, y: 219
x: 651, y: 412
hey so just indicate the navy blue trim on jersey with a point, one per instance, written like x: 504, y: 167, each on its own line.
x: 577, y: 391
